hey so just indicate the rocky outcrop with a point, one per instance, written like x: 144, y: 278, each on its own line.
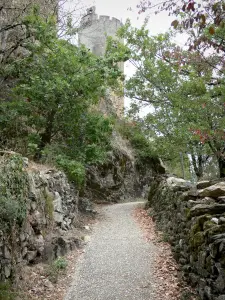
x: 193, y: 220
x: 121, y: 177
x: 45, y: 233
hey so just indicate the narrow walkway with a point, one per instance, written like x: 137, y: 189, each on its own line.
x: 117, y: 261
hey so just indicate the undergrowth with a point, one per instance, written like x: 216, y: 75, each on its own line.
x: 56, y: 268
x: 13, y: 191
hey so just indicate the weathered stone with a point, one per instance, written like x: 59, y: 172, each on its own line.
x: 221, y: 297
x: 87, y: 227
x: 193, y: 278
x: 39, y: 243
x: 58, y: 203
x: 48, y: 285
x: 221, y: 200
x: 36, y: 221
x: 22, y: 237
x: 221, y: 220
x: 220, y: 281
x: 215, y: 220
x: 201, y: 209
x: 203, y: 184
x: 221, y: 246
x: 202, y: 234
x: 213, y: 249
x: 218, y: 237
x: 29, y: 241
x: 58, y: 217
x: 6, y: 253
x: 215, y: 190
x: 182, y: 261
x: 206, y: 200
x: 24, y: 252
x: 208, y: 293
x: 7, y: 271
x: 178, y: 183
x: 33, y: 206
x: 197, y: 240
x: 31, y: 255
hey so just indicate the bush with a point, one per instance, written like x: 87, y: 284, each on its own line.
x: 141, y: 143
x: 13, y: 191
x: 6, y: 291
x: 75, y: 170
x: 60, y: 263
x: 55, y: 268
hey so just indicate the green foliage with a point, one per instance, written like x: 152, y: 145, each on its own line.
x: 75, y: 170
x: 49, y: 206
x: 6, y: 292
x: 138, y: 137
x: 185, y: 91
x: 56, y: 268
x: 51, y: 116
x: 60, y: 263
x: 58, y: 84
x: 13, y: 191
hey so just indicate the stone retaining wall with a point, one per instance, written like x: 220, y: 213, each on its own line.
x: 193, y: 221
x: 52, y: 210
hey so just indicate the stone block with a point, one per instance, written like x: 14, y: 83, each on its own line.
x: 216, y: 190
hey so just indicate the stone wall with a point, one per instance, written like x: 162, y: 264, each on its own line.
x: 51, y: 213
x: 193, y: 221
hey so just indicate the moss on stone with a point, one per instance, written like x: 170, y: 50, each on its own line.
x: 195, y: 228
x: 216, y: 229
x: 199, y: 224
x: 49, y: 206
x: 197, y: 240
x: 208, y: 224
x: 187, y: 213
x: 202, y: 219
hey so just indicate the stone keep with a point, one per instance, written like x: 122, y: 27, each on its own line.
x: 93, y: 33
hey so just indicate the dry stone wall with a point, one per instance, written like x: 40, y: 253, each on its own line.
x: 193, y: 220
x: 51, y: 212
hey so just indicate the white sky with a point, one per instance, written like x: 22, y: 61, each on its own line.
x: 119, y: 9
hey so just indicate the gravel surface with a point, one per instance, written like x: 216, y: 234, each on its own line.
x: 117, y: 262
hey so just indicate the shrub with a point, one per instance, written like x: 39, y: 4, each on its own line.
x: 13, y: 191
x: 75, y: 170
x: 55, y: 268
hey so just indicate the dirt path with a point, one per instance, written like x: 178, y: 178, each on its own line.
x: 117, y: 263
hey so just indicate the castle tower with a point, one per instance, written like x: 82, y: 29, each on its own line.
x: 93, y: 33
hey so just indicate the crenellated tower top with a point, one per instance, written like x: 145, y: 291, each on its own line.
x: 93, y: 33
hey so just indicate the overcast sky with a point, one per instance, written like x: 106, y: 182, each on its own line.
x: 119, y: 9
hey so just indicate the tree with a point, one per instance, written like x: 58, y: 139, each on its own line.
x: 14, y: 29
x: 57, y: 84
x: 180, y: 85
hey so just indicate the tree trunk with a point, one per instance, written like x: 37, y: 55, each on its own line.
x: 197, y: 165
x: 221, y: 163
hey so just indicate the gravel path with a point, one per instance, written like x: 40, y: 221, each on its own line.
x: 117, y: 261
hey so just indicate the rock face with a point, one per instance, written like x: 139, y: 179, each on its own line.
x: 52, y: 210
x: 121, y: 177
x: 194, y: 220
